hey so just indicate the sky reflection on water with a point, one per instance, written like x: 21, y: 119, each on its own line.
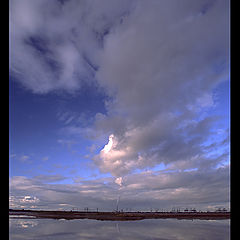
x: 92, y: 229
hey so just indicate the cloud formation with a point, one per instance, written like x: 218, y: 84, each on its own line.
x: 140, y: 191
x: 59, y: 40
x: 158, y: 63
x: 161, y: 66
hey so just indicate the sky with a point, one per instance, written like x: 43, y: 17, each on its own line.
x: 119, y: 102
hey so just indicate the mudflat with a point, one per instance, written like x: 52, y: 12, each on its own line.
x: 119, y: 216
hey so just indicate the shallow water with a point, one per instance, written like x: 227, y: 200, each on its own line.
x: 161, y: 229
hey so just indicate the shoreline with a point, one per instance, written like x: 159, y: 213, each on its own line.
x: 117, y: 216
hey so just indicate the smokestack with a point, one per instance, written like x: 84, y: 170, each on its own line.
x: 118, y: 202
x: 119, y: 181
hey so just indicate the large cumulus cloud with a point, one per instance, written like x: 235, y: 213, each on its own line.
x: 160, y: 66
x: 158, y: 62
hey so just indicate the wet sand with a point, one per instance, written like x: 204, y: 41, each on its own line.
x: 118, y: 216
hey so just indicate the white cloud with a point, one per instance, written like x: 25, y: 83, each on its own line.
x: 119, y: 181
x: 25, y: 159
x: 108, y: 146
x: 206, y: 100
x: 29, y: 199
x: 45, y: 159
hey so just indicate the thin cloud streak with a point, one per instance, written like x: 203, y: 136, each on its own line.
x: 203, y: 190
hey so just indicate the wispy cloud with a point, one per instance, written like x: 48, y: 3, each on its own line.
x: 25, y: 159
x: 139, y: 191
x: 63, y: 52
x: 49, y: 178
x: 44, y: 159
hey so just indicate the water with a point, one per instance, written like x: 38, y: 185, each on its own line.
x: 155, y: 229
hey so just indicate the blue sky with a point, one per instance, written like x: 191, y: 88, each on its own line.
x: 37, y: 135
x: 110, y: 98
